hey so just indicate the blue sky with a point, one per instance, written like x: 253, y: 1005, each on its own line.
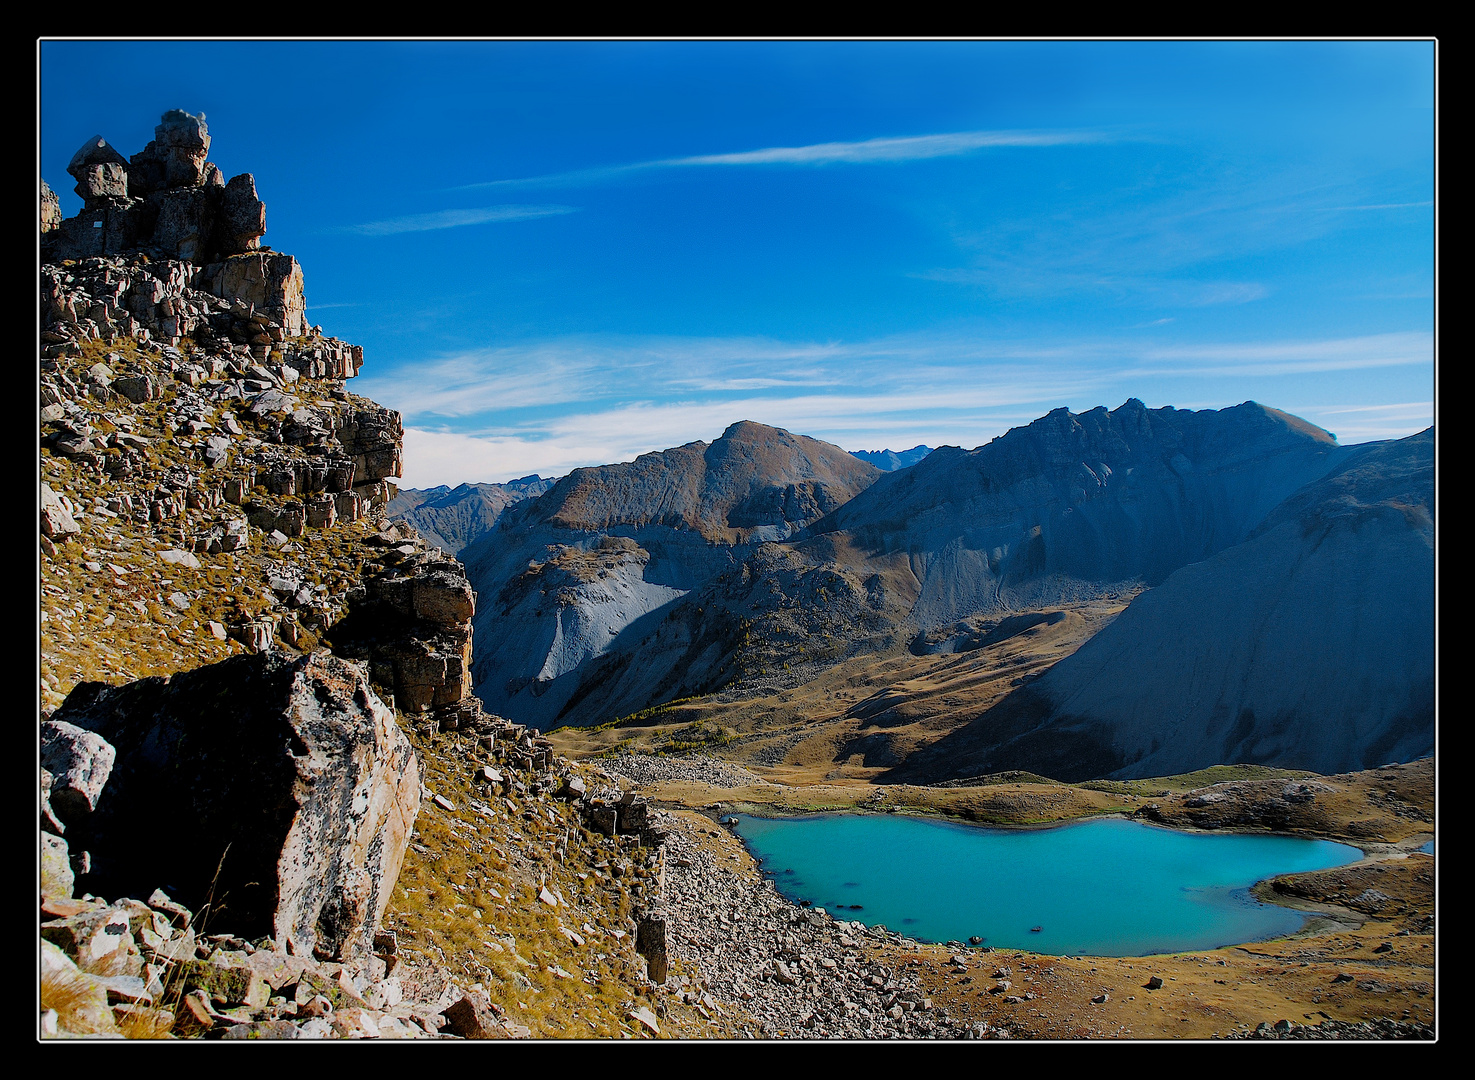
x: 569, y: 253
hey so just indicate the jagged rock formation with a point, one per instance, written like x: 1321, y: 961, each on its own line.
x: 211, y: 490
x: 169, y: 202
x: 208, y: 417
x: 412, y: 621
x: 579, y: 572
x: 455, y: 518
x: 289, y: 788
x: 1310, y: 645
x: 891, y: 460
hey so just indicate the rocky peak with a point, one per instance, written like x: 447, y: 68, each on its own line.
x: 169, y: 202
x: 752, y: 477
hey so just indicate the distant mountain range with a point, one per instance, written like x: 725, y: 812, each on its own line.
x: 574, y: 575
x: 891, y: 460
x: 764, y: 558
x: 452, y: 518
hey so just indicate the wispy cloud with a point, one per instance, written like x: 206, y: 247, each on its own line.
x: 1287, y: 357
x: 1002, y: 276
x: 909, y: 148
x: 1161, y: 243
x: 455, y: 219
x: 554, y: 405
x: 1365, y: 423
x: 868, y: 151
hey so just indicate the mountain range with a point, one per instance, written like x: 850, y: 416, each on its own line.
x: 1284, y: 616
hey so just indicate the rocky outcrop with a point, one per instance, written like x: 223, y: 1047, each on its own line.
x: 78, y: 764
x: 411, y: 621
x: 170, y: 203
x: 50, y: 209
x: 254, y: 302
x: 286, y: 789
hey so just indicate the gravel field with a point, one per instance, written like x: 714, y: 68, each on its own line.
x: 795, y: 972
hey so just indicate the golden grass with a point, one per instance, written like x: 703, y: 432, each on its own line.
x: 79, y: 1006
x: 94, y: 632
x: 467, y: 899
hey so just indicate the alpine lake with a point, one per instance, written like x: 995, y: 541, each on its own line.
x: 1107, y: 887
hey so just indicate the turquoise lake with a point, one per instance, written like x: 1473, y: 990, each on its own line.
x: 1102, y: 888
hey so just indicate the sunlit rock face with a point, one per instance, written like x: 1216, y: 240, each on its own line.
x: 280, y: 791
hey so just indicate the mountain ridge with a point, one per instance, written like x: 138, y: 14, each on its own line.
x: 1309, y: 645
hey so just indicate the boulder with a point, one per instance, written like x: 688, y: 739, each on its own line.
x: 288, y: 787
x: 79, y: 1000
x: 57, y: 522
x: 49, y: 821
x: 270, y: 282
x: 56, y: 868
x: 633, y: 810
x: 137, y: 389
x: 176, y: 156
x: 650, y: 942
x: 263, y: 1029
x: 473, y: 1019
x: 79, y: 763
x: 50, y: 208
x: 100, y: 171
x: 646, y: 1019
x: 242, y: 217
x: 227, y: 983
x: 96, y: 940
x: 443, y: 598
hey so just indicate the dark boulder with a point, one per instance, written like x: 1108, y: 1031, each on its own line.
x: 277, y: 792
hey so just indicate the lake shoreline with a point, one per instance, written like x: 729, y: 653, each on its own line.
x: 1335, y: 970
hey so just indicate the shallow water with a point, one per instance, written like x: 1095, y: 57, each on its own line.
x: 1104, y: 888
